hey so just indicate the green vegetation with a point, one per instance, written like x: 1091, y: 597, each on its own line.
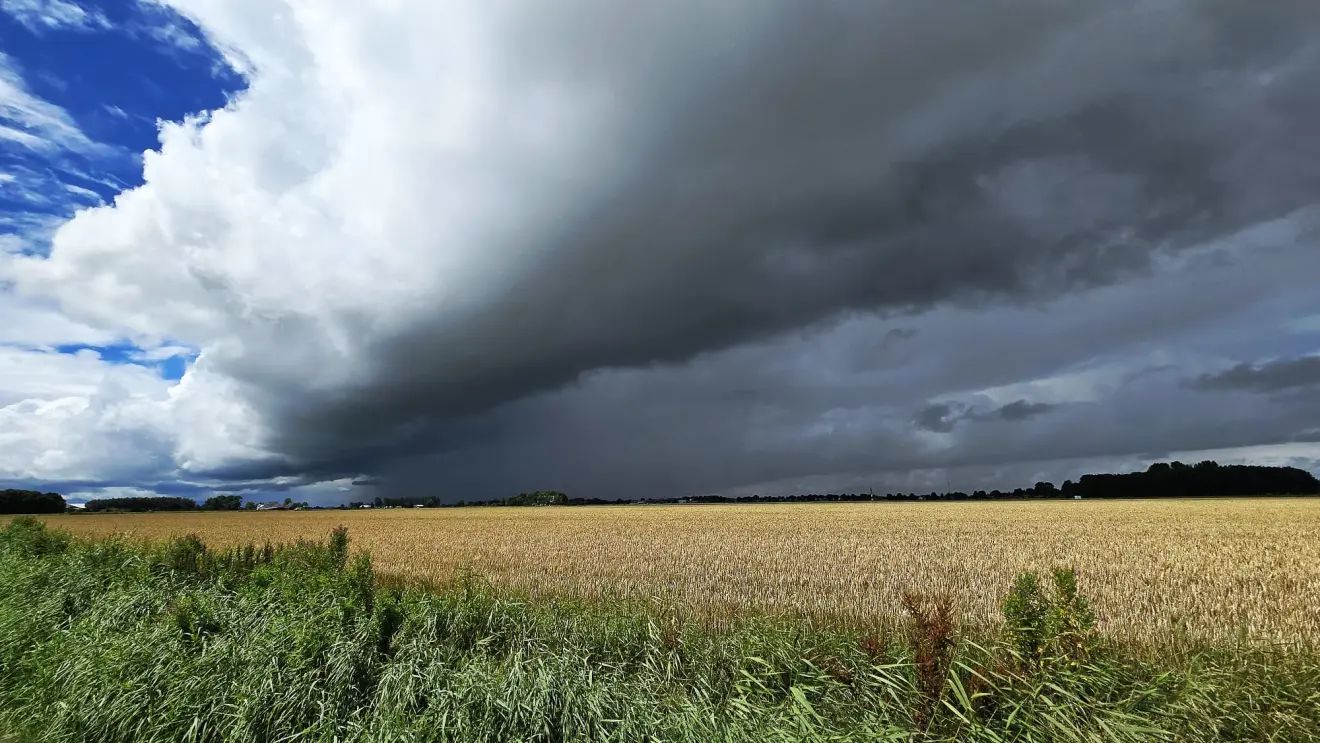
x: 116, y: 641
x: 139, y: 504
x: 538, y: 498
x: 30, y: 501
x: 223, y: 503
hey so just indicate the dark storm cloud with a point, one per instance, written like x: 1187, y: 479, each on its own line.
x: 1022, y: 410
x: 944, y: 417
x: 819, y: 407
x: 939, y: 418
x: 861, y: 157
x: 898, y: 334
x: 1275, y: 376
x: 613, y: 439
x: 778, y: 165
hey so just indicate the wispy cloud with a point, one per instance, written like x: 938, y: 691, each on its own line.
x: 32, y: 230
x: 36, y: 123
x: 175, y: 35
x: 83, y: 193
x: 20, y: 137
x: 160, y: 353
x: 54, y: 15
x: 51, y: 165
x: 39, y: 199
x: 164, y: 25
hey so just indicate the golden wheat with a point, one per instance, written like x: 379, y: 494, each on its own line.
x: 1217, y: 569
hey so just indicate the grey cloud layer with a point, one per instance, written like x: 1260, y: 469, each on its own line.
x: 943, y: 417
x: 719, y: 244
x: 786, y: 162
x: 1089, y: 377
x: 1275, y: 376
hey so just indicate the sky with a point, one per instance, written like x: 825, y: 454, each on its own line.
x: 333, y: 249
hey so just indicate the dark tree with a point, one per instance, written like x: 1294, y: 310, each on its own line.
x: 1205, y: 480
x: 223, y: 503
x: 538, y: 498
x: 30, y: 501
x: 426, y: 501
x: 161, y: 503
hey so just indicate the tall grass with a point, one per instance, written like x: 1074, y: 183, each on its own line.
x: 115, y: 641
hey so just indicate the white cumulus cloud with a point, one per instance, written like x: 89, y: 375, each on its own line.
x: 78, y: 417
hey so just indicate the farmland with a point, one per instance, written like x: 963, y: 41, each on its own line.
x: 743, y: 623
x: 1156, y: 572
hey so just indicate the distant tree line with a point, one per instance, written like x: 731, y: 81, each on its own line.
x: 538, y: 498
x: 598, y: 502
x: 429, y: 501
x: 30, y: 501
x: 1162, y: 480
x: 535, y: 498
x: 1206, y: 479
x: 140, y: 504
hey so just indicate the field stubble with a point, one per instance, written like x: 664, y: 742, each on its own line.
x: 1215, y: 570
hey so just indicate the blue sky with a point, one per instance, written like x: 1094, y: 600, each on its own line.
x: 115, y: 70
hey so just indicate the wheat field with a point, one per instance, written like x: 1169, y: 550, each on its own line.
x: 1212, y: 570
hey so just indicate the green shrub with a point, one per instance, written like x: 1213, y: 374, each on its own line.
x: 339, y: 546
x: 29, y: 536
x: 1071, y: 621
x: 1026, y: 611
x: 193, y: 618
x: 1048, y: 628
x: 932, y: 641
x: 186, y: 554
x: 360, y: 584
